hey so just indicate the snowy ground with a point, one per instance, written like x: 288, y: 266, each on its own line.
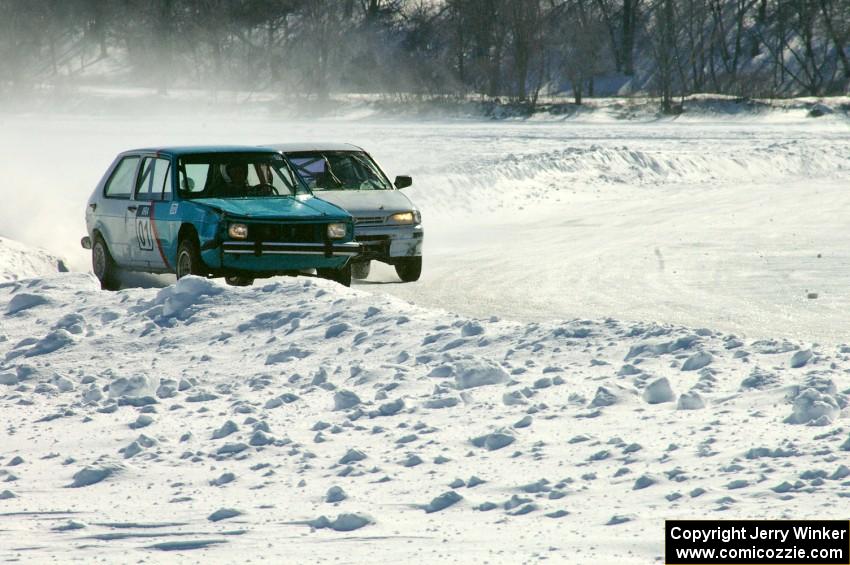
x: 132, y: 418
x: 476, y: 424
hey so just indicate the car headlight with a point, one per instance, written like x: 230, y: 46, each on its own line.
x: 337, y: 231
x: 412, y: 217
x: 238, y: 231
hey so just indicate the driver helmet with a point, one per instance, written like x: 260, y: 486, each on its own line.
x: 227, y: 170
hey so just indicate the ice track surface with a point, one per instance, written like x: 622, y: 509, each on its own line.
x: 731, y: 225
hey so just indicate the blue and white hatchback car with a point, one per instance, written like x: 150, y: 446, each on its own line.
x: 237, y: 212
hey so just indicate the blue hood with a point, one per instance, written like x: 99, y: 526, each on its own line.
x: 276, y: 208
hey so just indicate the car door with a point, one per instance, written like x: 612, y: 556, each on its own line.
x: 116, y: 205
x: 149, y: 223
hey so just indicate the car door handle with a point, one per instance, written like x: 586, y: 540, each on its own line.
x: 132, y: 208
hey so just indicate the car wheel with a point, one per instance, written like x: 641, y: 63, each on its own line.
x: 409, y: 269
x: 342, y: 276
x: 360, y: 269
x: 189, y: 259
x: 239, y: 281
x: 104, y: 266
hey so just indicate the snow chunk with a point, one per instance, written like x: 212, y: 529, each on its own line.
x: 352, y: 456
x: 223, y: 479
x: 342, y: 523
x: 658, y: 391
x: 471, y: 328
x: 814, y: 408
x: 225, y: 430
x: 800, y: 358
x: 610, y: 395
x: 493, y: 441
x: 336, y: 330
x: 188, y: 291
x: 136, y: 386
x: 697, y: 361
x: 91, y: 475
x: 443, y: 402
x: 514, y: 398
x: 472, y: 372
x: 691, y: 401
x: 335, y: 494
x: 391, y: 408
x: 9, y: 379
x: 644, y: 481
x: 23, y: 301
x: 759, y: 379
x: 288, y: 354
x: 223, y: 514
x: 69, y: 526
x: 57, y: 339
x: 442, y: 502
x: 345, y: 399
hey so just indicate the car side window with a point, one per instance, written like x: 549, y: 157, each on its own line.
x: 154, y: 180
x: 143, y: 185
x: 120, y: 184
x: 161, y: 180
x: 163, y: 167
x: 193, y: 176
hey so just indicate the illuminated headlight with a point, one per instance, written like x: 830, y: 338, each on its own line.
x: 238, y: 231
x: 406, y: 217
x: 337, y: 231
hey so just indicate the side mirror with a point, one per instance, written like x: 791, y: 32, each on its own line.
x: 188, y: 184
x: 403, y: 182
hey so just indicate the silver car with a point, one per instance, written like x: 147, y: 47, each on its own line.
x: 386, y: 223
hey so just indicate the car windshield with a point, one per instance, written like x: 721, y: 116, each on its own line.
x: 338, y: 170
x: 237, y: 175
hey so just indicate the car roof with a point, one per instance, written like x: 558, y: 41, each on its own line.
x: 178, y: 150
x: 313, y: 146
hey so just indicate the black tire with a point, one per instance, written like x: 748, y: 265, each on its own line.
x: 189, y: 259
x: 360, y: 269
x: 409, y: 269
x: 239, y: 281
x: 341, y: 276
x: 104, y: 266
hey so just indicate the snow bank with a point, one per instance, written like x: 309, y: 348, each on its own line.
x: 568, y: 429
x: 19, y: 261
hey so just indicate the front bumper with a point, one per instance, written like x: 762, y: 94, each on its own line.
x: 259, y: 248
x: 387, y: 243
x: 268, y: 258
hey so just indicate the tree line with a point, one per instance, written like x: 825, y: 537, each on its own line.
x: 507, y: 49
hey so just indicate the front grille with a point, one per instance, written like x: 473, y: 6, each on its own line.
x: 369, y: 220
x: 289, y: 233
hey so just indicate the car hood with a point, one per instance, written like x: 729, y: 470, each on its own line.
x: 367, y: 202
x: 267, y: 208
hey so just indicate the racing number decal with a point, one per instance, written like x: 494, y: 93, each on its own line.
x: 143, y: 228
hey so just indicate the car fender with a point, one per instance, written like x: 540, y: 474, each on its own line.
x: 207, y: 223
